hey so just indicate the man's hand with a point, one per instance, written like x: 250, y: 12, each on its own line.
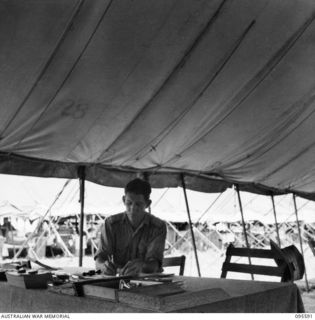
x: 109, y: 268
x: 132, y: 267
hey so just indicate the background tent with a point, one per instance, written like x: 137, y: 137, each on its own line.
x: 32, y: 197
x: 8, y: 210
x: 220, y: 90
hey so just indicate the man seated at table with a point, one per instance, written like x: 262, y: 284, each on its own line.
x: 133, y: 241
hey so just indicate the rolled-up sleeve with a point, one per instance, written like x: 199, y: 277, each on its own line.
x: 105, y: 242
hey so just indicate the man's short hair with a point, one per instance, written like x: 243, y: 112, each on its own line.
x: 139, y: 186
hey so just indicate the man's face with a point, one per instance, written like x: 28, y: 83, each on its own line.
x: 135, y: 204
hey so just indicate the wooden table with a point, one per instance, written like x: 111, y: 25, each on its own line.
x: 244, y: 296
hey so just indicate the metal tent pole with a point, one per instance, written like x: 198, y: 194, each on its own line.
x: 300, y: 238
x: 243, y: 224
x: 276, y: 222
x: 190, y: 224
x: 81, y: 174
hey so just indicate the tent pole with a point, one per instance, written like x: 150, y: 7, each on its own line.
x: 146, y: 178
x: 243, y: 224
x: 276, y: 222
x: 190, y: 224
x: 81, y: 174
x: 300, y: 238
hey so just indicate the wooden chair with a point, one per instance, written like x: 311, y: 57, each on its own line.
x: 175, y: 261
x: 289, y: 262
x: 311, y: 244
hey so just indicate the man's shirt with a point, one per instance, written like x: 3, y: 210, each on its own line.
x: 118, y: 238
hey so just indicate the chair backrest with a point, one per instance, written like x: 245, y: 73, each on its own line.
x: 175, y: 261
x: 289, y: 262
x: 311, y: 244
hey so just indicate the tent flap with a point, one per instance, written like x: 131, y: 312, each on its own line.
x: 112, y: 177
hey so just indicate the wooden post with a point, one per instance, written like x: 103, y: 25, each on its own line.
x: 190, y: 224
x: 145, y: 177
x: 276, y: 222
x: 300, y: 238
x: 243, y: 224
x: 81, y: 174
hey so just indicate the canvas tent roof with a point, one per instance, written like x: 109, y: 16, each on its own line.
x: 220, y: 90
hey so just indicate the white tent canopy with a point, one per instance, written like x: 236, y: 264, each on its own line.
x: 222, y: 91
x: 8, y: 210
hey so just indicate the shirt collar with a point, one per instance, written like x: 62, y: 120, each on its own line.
x: 145, y: 221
